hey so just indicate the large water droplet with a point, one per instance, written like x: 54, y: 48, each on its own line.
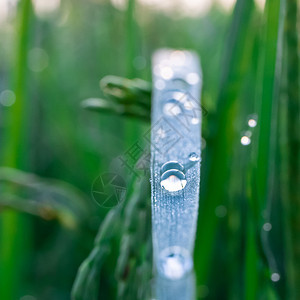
x: 175, y: 262
x: 173, y: 181
x: 172, y: 178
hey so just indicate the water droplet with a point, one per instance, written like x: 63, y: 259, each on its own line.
x: 194, y: 157
x: 275, y: 277
x: 252, y: 120
x: 172, y: 178
x: 177, y: 58
x: 245, y: 140
x: 179, y: 96
x: 38, y: 59
x: 7, y: 98
x: 221, y: 211
x: 252, y: 123
x: 195, y: 121
x: 175, y: 262
x: 166, y: 72
x: 267, y: 226
x: 192, y: 78
x: 160, y: 84
x: 173, y: 181
x: 172, y: 108
x: 188, y: 105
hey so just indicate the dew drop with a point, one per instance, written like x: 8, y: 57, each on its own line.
x: 172, y: 108
x: 173, y: 181
x: 275, y: 277
x: 166, y: 72
x: 267, y: 227
x: 245, y: 140
x: 252, y: 123
x: 194, y: 157
x: 188, y: 105
x: 177, y: 58
x: 252, y: 120
x: 38, y: 59
x: 7, y: 98
x: 172, y: 178
x: 195, y: 121
x: 192, y: 78
x: 175, y: 262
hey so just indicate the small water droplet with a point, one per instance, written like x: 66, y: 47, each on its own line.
x: 172, y: 108
x: 192, y: 78
x: 195, y: 121
x: 267, y: 226
x: 275, y: 277
x: 172, y: 178
x: 175, y: 262
x: 179, y: 96
x: 252, y: 123
x: 252, y: 120
x: 194, y: 157
x: 7, y: 98
x: 245, y: 140
x: 38, y: 59
x: 189, y: 105
x: 177, y: 58
x: 166, y: 72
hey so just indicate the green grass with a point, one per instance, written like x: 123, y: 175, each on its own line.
x: 64, y: 131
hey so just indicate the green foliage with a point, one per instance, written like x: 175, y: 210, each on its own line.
x: 53, y: 233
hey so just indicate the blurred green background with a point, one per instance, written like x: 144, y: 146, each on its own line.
x: 53, y: 55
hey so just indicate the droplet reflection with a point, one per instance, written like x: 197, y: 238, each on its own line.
x: 174, y: 263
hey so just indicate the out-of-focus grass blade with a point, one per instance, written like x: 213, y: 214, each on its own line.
x: 107, y: 106
x: 14, y: 229
x: 264, y: 178
x: 49, y: 199
x: 237, y: 59
x: 86, y: 285
x: 125, y: 90
x: 292, y: 152
x: 135, y: 253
